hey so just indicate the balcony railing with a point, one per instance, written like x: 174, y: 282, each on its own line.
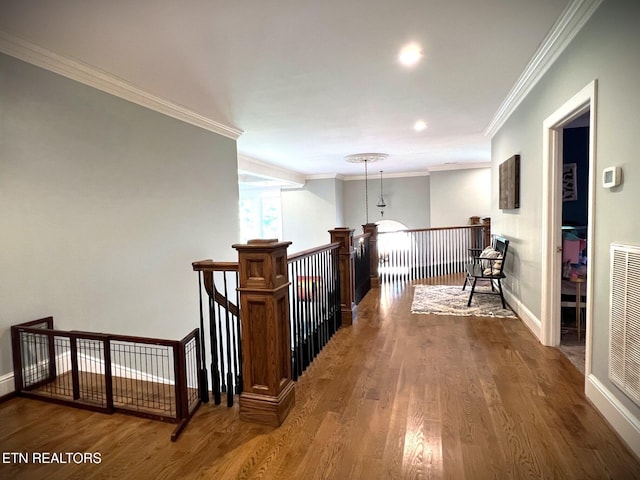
x: 220, y: 317
x: 270, y: 314
x: 314, y: 303
x: 429, y: 252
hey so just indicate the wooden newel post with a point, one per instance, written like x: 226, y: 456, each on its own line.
x: 372, y: 228
x: 268, y: 393
x: 486, y: 224
x: 346, y: 253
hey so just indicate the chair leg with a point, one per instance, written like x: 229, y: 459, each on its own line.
x: 473, y: 288
x: 501, y: 294
x: 465, y: 282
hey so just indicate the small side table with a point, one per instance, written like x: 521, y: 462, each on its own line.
x: 578, y: 281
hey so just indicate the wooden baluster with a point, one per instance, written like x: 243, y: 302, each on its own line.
x: 486, y: 223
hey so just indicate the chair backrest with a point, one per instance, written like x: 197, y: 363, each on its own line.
x: 502, y: 245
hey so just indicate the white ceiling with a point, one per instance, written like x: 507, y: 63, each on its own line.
x: 310, y: 81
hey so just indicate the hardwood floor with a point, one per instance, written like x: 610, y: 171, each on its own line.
x: 394, y: 396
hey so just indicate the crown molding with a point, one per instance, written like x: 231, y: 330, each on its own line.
x: 91, y: 76
x: 269, y: 171
x: 570, y: 22
x: 324, y: 176
x: 459, y: 166
x: 374, y: 176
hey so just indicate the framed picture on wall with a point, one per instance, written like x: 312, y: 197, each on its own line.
x: 569, y: 179
x: 510, y: 183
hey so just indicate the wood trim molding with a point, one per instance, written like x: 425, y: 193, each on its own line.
x: 103, y: 81
x: 574, y: 17
x: 584, y: 100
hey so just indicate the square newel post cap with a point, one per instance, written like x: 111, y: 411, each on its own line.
x: 263, y: 264
x: 370, y: 228
x: 261, y: 244
x: 344, y: 235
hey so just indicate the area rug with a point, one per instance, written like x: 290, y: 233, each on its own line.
x: 452, y: 300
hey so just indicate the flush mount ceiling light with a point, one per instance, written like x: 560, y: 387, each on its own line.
x: 366, y: 158
x: 420, y: 125
x: 410, y: 54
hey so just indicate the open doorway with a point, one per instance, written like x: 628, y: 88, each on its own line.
x: 574, y: 227
x: 583, y: 103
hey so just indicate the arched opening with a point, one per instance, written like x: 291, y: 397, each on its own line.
x: 392, y: 240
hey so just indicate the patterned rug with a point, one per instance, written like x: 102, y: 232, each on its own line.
x: 452, y: 300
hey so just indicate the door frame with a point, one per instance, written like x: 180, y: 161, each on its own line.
x: 583, y: 101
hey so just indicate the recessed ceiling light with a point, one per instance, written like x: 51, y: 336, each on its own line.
x: 410, y: 54
x: 420, y: 125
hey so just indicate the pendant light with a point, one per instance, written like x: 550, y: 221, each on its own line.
x: 366, y: 158
x: 381, y: 203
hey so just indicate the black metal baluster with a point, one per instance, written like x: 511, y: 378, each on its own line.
x: 292, y: 321
x: 325, y: 300
x: 299, y: 321
x: 308, y: 324
x: 337, y: 285
x: 228, y: 338
x: 215, y: 373
x: 239, y: 384
x: 204, y: 386
x: 314, y: 304
x: 220, y: 341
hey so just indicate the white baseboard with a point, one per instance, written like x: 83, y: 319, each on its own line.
x: 6, y: 384
x: 85, y: 364
x: 528, y: 318
x: 619, y: 417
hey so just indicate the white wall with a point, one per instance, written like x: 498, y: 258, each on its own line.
x: 457, y: 195
x: 407, y: 199
x: 308, y: 213
x: 606, y: 50
x: 105, y: 204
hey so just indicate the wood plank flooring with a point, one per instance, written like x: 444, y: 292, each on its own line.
x: 396, y: 396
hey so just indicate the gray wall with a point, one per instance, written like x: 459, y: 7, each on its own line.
x: 607, y: 50
x: 339, y: 203
x: 457, y: 195
x: 105, y: 204
x: 407, y: 199
x: 309, y: 212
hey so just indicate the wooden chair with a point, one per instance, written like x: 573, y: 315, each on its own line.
x: 488, y: 268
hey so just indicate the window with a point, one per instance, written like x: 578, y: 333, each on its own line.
x: 260, y: 213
